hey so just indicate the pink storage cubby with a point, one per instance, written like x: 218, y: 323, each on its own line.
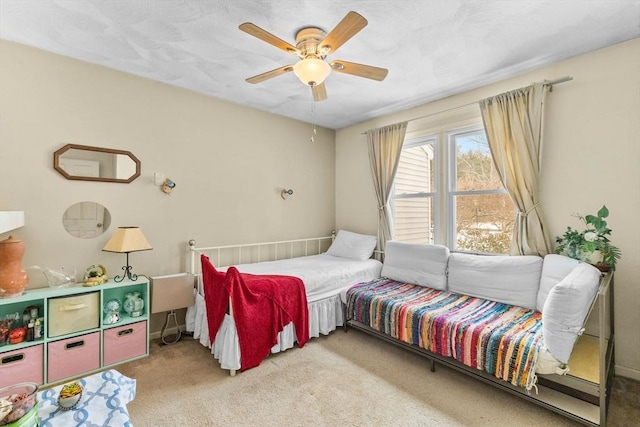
x: 24, y: 365
x: 125, y: 342
x: 73, y: 356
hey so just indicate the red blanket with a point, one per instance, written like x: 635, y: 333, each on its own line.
x: 262, y: 306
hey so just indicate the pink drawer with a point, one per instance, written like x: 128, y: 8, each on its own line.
x: 24, y: 365
x: 125, y: 342
x: 73, y: 356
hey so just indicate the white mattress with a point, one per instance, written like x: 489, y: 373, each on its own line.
x: 323, y: 275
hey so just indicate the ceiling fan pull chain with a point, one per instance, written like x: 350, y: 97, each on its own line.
x: 313, y: 120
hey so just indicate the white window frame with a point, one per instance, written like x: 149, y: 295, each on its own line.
x: 451, y: 192
x: 443, y: 196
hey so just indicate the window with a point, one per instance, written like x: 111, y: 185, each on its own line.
x: 414, y: 192
x: 484, y: 213
x: 451, y: 193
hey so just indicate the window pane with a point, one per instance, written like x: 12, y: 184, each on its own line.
x: 415, y: 172
x: 474, y: 164
x: 413, y: 220
x: 484, y: 223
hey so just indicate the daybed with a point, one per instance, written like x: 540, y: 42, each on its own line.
x: 325, y: 272
x: 509, y: 320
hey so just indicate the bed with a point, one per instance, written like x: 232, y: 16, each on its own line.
x: 520, y: 323
x: 327, y: 266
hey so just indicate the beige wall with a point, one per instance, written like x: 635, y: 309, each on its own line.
x: 229, y: 163
x: 591, y: 157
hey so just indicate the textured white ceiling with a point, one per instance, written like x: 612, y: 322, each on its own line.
x: 432, y: 48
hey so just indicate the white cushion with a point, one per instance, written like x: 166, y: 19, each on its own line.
x: 547, y: 364
x: 554, y: 269
x: 566, y: 308
x: 419, y: 264
x: 508, y: 279
x: 353, y: 245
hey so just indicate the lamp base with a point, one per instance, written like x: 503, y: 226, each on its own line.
x: 127, y: 273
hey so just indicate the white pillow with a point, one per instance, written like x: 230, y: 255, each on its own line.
x: 415, y: 263
x: 566, y: 308
x: 353, y: 245
x: 509, y: 279
x: 554, y: 269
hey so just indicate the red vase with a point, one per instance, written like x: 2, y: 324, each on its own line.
x: 13, y: 279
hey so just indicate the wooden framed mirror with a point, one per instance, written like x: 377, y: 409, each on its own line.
x: 86, y: 163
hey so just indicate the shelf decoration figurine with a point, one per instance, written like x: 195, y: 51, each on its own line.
x: 5, y: 328
x: 56, y: 278
x: 111, y: 312
x: 133, y: 304
x: 95, y: 275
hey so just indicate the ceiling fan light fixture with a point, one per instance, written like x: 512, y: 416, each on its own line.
x: 312, y: 71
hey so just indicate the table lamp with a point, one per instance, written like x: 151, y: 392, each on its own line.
x: 125, y: 240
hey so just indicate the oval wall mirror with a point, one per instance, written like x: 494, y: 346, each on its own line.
x: 86, y: 163
x: 86, y: 220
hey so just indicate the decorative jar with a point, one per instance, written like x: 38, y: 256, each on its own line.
x: 13, y: 279
x: 133, y: 304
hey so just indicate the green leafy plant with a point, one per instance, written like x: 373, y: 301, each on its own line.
x: 591, y: 244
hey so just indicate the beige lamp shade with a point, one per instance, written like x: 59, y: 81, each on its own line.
x: 127, y: 239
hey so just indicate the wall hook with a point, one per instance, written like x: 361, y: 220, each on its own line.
x: 284, y: 192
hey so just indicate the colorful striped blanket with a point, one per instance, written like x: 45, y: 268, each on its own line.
x: 499, y: 338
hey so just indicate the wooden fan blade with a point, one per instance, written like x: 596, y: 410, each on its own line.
x: 319, y: 92
x: 266, y: 36
x: 374, y: 73
x: 270, y: 74
x: 347, y: 28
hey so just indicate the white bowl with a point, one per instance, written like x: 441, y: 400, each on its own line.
x: 69, y: 402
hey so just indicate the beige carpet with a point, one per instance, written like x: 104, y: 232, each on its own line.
x: 343, y: 379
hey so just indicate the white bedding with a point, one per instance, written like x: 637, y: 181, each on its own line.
x: 325, y: 277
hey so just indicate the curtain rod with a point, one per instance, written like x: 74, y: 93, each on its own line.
x: 545, y: 83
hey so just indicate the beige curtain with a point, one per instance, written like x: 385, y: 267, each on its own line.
x: 513, y: 122
x: 385, y: 147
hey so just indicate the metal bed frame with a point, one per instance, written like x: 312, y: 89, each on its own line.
x: 573, y: 397
x: 255, y: 252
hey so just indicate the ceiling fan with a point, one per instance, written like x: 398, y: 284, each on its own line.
x: 312, y: 47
